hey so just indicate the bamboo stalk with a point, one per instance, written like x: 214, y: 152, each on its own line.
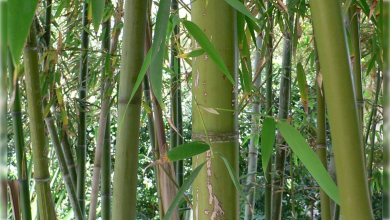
x: 342, y: 109
x: 98, y: 157
x: 67, y: 149
x: 214, y: 194
x: 34, y: 100
x: 373, y: 128
x: 24, y: 192
x: 63, y: 167
x: 268, y: 177
x: 284, y: 101
x: 354, y: 17
x: 176, y: 96
x: 127, y: 142
x: 82, y: 132
x: 167, y: 187
x: 106, y: 152
x: 321, y: 140
x: 151, y: 124
x: 253, y: 150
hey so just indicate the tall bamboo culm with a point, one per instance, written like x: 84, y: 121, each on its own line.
x: 24, y: 191
x: 253, y: 149
x: 70, y: 188
x: 34, y: 101
x: 342, y: 109
x: 321, y: 139
x: 127, y: 142
x: 284, y: 102
x: 354, y: 17
x: 215, y: 196
x: 176, y: 112
x: 106, y: 153
x: 82, y: 132
x: 268, y: 107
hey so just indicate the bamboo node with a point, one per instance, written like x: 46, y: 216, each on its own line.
x: 42, y: 179
x: 320, y: 145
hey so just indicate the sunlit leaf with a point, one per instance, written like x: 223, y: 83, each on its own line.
x: 186, y: 150
x: 194, y: 53
x: 302, y: 84
x: 208, y: 47
x: 19, y: 25
x: 234, y: 178
x: 97, y: 13
x: 158, y: 48
x: 241, y: 8
x: 309, y: 159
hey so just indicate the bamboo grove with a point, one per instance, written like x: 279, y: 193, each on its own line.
x: 205, y: 109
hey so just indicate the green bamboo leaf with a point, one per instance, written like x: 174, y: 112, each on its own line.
x: 186, y: 150
x: 234, y: 178
x: 302, y: 84
x: 241, y: 8
x: 19, y: 25
x: 194, y: 53
x: 181, y: 192
x: 252, y: 27
x: 3, y: 35
x: 208, y: 47
x: 267, y: 141
x: 345, y: 8
x: 371, y: 64
x: 309, y: 159
x: 59, y: 9
x: 97, y: 13
x: 158, y: 48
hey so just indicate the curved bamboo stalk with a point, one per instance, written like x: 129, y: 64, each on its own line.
x: 34, y: 100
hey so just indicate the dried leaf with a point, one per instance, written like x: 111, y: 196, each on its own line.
x: 211, y: 110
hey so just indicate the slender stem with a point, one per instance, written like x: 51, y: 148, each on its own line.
x: 34, y: 100
x: 269, y: 98
x: 285, y: 84
x: 82, y: 141
x: 373, y: 127
x: 24, y: 192
x: 98, y: 157
x: 63, y: 167
x: 321, y: 140
x: 253, y: 149
x: 354, y: 17
x: 106, y: 152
